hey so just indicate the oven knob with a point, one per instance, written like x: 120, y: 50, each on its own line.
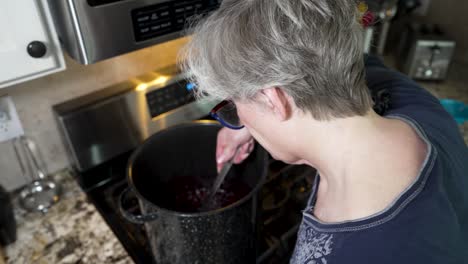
x: 36, y: 49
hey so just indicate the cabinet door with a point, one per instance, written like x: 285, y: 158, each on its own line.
x: 26, y: 23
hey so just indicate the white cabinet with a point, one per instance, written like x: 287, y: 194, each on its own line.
x: 29, y: 47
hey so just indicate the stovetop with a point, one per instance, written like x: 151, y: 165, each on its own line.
x: 283, y: 196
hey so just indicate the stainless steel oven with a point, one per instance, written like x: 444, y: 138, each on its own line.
x: 102, y: 125
x: 94, y: 30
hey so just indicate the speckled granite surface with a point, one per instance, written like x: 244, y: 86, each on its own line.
x: 71, y: 232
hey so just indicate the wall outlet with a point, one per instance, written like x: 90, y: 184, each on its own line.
x: 10, y: 125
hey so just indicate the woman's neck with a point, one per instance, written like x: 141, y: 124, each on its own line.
x: 366, y: 161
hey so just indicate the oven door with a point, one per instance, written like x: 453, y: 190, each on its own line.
x: 93, y: 30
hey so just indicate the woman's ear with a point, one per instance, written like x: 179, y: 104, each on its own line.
x: 277, y: 101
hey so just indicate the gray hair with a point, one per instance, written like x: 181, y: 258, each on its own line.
x: 312, y: 49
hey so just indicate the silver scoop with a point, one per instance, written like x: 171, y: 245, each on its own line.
x: 218, y: 181
x: 41, y: 193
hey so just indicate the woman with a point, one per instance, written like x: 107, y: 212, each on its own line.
x: 391, y: 188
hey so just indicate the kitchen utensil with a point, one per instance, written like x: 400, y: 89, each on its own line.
x: 7, y: 219
x: 223, y: 235
x: 377, y: 34
x: 41, y: 193
x: 386, y: 14
x: 209, y: 201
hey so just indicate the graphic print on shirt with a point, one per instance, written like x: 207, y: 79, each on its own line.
x: 312, y: 247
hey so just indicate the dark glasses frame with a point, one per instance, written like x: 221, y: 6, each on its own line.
x: 214, y: 114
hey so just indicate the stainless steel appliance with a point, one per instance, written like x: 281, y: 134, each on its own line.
x: 100, y: 126
x: 94, y: 30
x: 425, y: 52
x: 103, y: 128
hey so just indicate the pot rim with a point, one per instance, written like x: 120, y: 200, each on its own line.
x: 136, y: 152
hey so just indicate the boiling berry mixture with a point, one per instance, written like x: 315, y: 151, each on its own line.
x: 191, y: 197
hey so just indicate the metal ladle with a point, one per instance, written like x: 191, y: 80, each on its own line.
x: 41, y: 193
x: 209, y: 200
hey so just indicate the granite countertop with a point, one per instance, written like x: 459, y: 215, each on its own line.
x: 74, y: 232
x: 71, y: 232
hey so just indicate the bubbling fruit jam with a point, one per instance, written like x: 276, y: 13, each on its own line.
x: 190, y: 197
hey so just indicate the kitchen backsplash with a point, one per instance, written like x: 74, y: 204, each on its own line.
x: 34, y: 102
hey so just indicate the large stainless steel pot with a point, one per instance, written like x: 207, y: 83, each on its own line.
x: 224, y: 235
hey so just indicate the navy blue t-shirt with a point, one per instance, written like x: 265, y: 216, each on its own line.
x: 428, y: 222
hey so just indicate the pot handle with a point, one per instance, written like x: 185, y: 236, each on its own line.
x: 136, y: 219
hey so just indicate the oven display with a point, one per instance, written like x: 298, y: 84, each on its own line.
x: 169, y: 17
x: 170, y: 97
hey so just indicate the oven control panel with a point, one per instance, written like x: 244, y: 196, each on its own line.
x: 169, y: 17
x: 170, y: 97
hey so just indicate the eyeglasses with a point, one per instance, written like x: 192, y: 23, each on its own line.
x: 226, y: 113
